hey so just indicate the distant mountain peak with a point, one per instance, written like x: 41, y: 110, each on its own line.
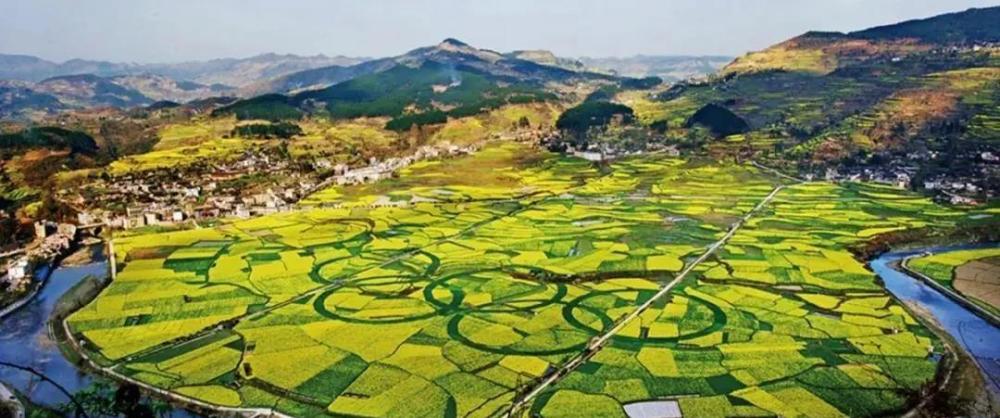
x: 456, y: 46
x: 449, y: 50
x: 452, y: 42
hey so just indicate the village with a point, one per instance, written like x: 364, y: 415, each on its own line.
x: 258, y: 183
x: 967, y: 185
x: 52, y: 241
x: 172, y: 197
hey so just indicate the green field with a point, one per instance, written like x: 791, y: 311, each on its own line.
x: 941, y: 267
x: 978, y: 284
x: 433, y: 294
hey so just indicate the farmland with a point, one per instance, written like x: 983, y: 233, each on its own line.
x: 973, y: 273
x: 433, y: 294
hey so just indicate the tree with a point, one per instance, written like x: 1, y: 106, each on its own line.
x: 659, y: 126
x: 578, y: 120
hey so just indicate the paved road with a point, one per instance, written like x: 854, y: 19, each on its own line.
x: 598, y: 343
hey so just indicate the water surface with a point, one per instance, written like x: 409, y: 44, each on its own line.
x: 25, y: 340
x: 978, y: 336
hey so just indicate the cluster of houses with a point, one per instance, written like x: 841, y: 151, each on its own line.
x: 898, y: 176
x: 196, y: 206
x: 606, y: 152
x: 167, y: 196
x: 957, y: 189
x: 16, y: 275
x: 171, y: 196
x: 377, y: 170
x: 52, y: 240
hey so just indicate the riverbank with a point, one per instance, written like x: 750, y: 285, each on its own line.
x: 953, y: 294
x: 45, y: 267
x: 79, y: 296
x: 22, y: 300
x: 958, y: 385
x: 27, y: 344
x: 963, y: 379
x: 30, y: 340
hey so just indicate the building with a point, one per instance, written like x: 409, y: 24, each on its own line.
x: 85, y: 218
x: 17, y: 271
x: 150, y: 218
x: 41, y: 230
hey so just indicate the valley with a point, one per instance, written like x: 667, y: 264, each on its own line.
x: 802, y: 231
x: 495, y: 281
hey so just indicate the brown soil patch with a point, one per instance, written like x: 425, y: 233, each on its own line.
x: 908, y: 112
x: 980, y: 279
x: 36, y: 155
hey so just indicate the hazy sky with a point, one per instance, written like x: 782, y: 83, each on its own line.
x: 174, y: 30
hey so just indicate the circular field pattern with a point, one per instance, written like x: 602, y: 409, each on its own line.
x: 537, y: 320
x: 374, y: 290
x: 578, y: 304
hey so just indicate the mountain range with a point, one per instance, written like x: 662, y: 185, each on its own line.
x: 429, y: 84
x: 235, y: 72
x: 31, y: 85
x: 915, y: 101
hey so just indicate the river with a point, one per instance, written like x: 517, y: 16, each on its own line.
x: 980, y: 338
x: 25, y: 341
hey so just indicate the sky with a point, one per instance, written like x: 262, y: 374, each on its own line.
x: 182, y: 30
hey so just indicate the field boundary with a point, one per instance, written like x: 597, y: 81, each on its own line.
x: 109, y: 371
x: 168, y: 394
x: 599, y: 342
x: 951, y: 294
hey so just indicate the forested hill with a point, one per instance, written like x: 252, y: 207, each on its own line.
x: 424, y: 86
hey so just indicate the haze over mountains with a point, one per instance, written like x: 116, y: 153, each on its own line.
x: 29, y: 85
x: 924, y: 89
x: 235, y: 72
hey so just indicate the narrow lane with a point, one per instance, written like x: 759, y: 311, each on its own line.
x: 599, y: 342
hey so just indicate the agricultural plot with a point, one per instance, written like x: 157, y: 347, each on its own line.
x: 505, y: 171
x: 974, y: 273
x: 441, y: 295
x: 218, y: 149
x: 342, y: 142
x: 783, y: 321
x: 353, y: 141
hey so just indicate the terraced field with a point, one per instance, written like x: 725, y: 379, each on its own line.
x: 438, y: 294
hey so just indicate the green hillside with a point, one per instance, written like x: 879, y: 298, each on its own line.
x: 423, y: 95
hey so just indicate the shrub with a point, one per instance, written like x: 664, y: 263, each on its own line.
x: 282, y: 130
